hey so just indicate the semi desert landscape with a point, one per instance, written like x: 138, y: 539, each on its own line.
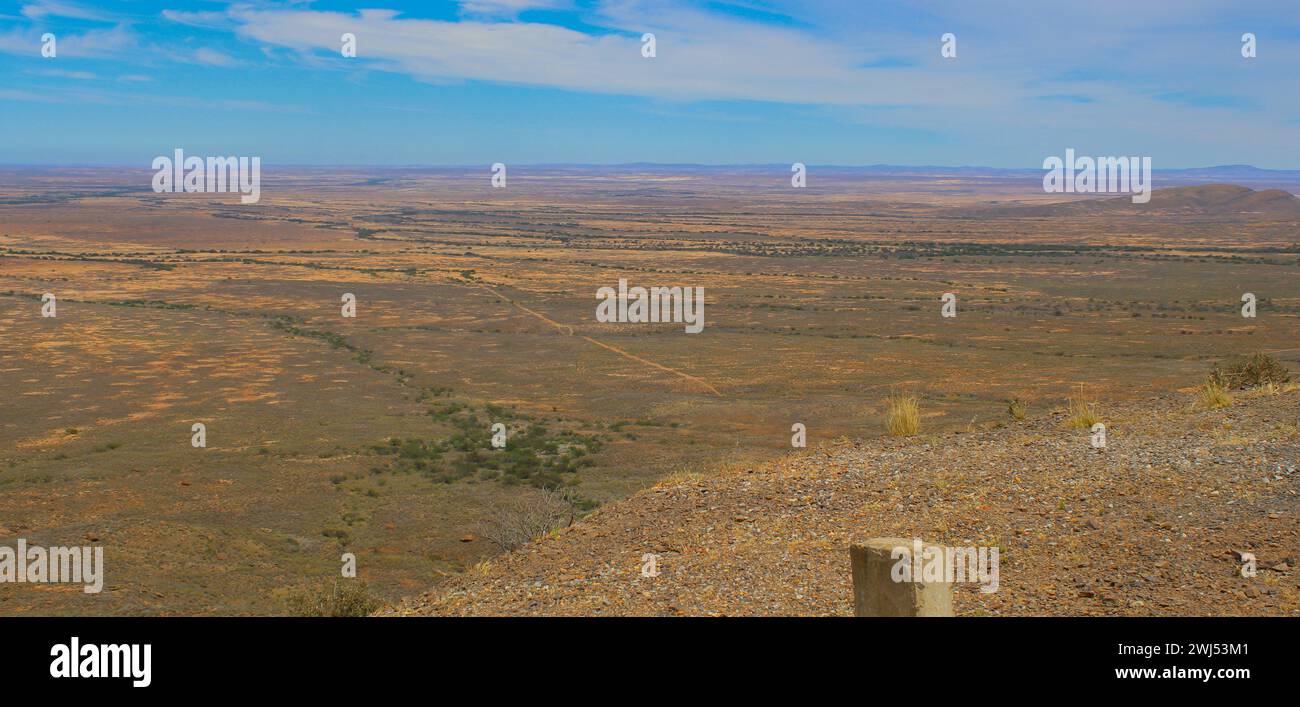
x: 373, y: 435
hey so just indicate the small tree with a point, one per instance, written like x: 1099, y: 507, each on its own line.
x: 528, y: 516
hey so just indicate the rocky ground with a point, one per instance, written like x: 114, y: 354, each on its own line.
x: 1150, y: 525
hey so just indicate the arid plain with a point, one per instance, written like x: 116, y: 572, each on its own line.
x: 476, y: 305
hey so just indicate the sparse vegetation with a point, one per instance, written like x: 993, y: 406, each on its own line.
x: 1080, y: 411
x: 534, y: 454
x: 903, y: 415
x: 374, y: 434
x: 347, y: 598
x: 1252, y: 372
x: 1213, y: 395
x: 1017, y: 409
x: 679, y: 476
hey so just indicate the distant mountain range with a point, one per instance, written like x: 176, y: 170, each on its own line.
x: 1243, y: 174
x: 1232, y: 172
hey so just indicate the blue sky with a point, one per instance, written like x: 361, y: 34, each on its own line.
x: 742, y: 81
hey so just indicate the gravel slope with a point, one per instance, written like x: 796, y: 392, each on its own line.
x: 1146, y: 526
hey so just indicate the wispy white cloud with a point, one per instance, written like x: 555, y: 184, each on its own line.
x: 699, y: 56
x: 13, y: 94
x: 64, y: 74
x: 114, y: 98
x: 205, y: 20
x: 116, y: 41
x: 54, y: 8
x: 212, y: 57
x: 508, y: 8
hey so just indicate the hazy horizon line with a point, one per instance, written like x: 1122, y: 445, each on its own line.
x: 642, y: 163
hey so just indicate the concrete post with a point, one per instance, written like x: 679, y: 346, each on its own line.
x: 875, y: 591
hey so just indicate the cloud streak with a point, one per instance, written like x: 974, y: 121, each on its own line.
x: 699, y: 57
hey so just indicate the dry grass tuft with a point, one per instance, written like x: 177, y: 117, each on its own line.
x: 1081, y: 412
x: 1269, y: 388
x: 678, y: 477
x: 1213, y: 395
x: 903, y: 415
x: 347, y: 598
x: 1017, y: 409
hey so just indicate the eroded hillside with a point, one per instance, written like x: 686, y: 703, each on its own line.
x: 1148, y: 525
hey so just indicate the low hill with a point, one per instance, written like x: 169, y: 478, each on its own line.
x: 1147, y: 525
x: 1205, y: 200
x: 1215, y: 199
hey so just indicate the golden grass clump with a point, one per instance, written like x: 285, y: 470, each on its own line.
x: 1081, y: 412
x: 1214, y: 395
x: 903, y: 415
x: 678, y: 477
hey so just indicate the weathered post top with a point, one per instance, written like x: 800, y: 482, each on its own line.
x: 887, y: 581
